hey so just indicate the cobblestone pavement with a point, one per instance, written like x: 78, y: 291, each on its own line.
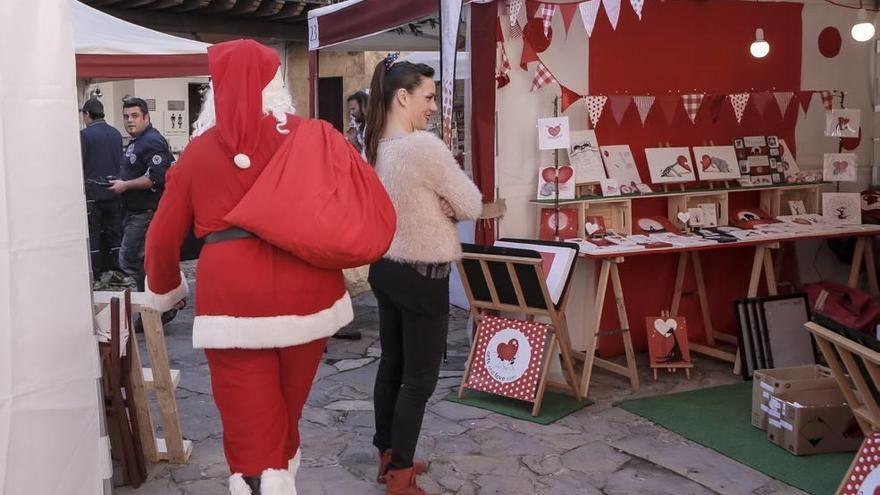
x: 598, y: 450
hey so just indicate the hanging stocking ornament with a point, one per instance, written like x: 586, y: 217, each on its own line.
x: 595, y: 104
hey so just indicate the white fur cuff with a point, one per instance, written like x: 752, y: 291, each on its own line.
x: 237, y: 486
x: 277, y: 482
x: 164, y: 302
x: 293, y: 464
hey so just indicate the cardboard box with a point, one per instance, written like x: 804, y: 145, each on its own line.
x: 813, y: 422
x: 778, y: 380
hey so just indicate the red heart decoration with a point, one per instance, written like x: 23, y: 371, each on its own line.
x: 554, y: 131
x: 840, y: 166
x: 507, y: 352
x: 565, y: 173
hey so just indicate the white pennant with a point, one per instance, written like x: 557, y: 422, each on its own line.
x: 739, y: 101
x: 637, y: 6
x: 644, y: 104
x: 612, y: 9
x: 595, y: 104
x: 783, y: 99
x: 514, y: 6
x: 589, y: 12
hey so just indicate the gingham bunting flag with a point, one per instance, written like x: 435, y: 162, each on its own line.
x: 589, y: 12
x: 547, y: 13
x: 637, y: 6
x: 542, y: 78
x: 503, y: 76
x: 827, y: 99
x: 761, y: 100
x: 783, y: 100
x: 619, y: 104
x: 692, y: 104
x: 644, y: 104
x: 595, y: 104
x: 612, y: 9
x: 739, y: 102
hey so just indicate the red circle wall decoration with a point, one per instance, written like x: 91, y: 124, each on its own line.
x: 829, y: 42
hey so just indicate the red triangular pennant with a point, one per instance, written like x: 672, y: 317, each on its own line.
x: 715, y: 104
x: 805, y: 97
x: 619, y: 106
x: 668, y: 104
x: 528, y: 55
x: 761, y: 100
x: 532, y: 7
x: 568, y: 11
x: 499, y: 34
x: 569, y: 97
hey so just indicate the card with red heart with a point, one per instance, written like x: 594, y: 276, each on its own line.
x: 667, y: 341
x: 549, y: 178
x: 508, y: 357
x: 553, y: 133
x: 839, y: 167
x: 567, y: 221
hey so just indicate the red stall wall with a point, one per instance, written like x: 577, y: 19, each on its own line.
x: 687, y: 46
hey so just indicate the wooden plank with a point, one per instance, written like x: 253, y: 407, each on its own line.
x: 679, y: 283
x: 545, y: 370
x: 468, y: 365
x: 140, y: 400
x: 703, y: 298
x: 858, y: 378
x: 520, y: 298
x: 870, y: 267
x: 484, y: 266
x: 770, y: 273
x: 561, y: 328
x: 712, y: 352
x: 611, y: 366
x: 148, y: 378
x: 165, y: 456
x: 856, y: 267
x: 730, y: 339
x: 624, y: 324
x: 165, y: 397
x: 755, y: 278
x: 591, y: 328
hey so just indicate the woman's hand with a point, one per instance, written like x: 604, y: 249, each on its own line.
x: 446, y: 208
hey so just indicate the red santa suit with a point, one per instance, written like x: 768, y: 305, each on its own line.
x: 268, y: 300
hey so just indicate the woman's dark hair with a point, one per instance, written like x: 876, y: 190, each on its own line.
x: 387, y: 79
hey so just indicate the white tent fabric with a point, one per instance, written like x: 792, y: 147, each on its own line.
x: 97, y: 33
x: 49, y: 411
x: 432, y: 59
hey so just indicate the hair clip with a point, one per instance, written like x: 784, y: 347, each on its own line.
x: 390, y: 60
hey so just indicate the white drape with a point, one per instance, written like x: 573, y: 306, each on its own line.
x: 49, y: 410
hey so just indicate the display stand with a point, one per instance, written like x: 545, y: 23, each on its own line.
x: 515, y: 284
x: 159, y: 378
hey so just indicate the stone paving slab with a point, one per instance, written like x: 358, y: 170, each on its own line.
x: 599, y: 450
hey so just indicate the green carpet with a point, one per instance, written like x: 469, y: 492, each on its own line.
x: 555, y: 407
x: 720, y: 418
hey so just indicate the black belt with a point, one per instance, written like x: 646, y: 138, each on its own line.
x: 229, y: 234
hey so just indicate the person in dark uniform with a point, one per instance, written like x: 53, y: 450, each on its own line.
x: 101, y: 146
x: 141, y: 184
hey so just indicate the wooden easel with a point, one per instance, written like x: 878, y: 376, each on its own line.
x: 480, y: 306
x: 592, y: 331
x: 159, y: 378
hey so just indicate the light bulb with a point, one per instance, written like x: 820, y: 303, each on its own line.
x: 759, y: 48
x: 862, y: 30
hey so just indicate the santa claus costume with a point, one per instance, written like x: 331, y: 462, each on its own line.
x: 284, y: 204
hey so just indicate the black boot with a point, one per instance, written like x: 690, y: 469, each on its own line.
x: 254, y: 483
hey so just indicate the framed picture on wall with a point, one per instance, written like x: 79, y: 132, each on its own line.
x: 839, y: 167
x: 842, y: 208
x: 670, y: 165
x: 716, y: 162
x: 843, y: 123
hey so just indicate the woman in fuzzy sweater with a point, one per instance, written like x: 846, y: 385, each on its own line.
x: 411, y: 283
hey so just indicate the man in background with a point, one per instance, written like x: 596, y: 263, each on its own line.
x: 101, y: 146
x: 141, y: 184
x: 357, y: 112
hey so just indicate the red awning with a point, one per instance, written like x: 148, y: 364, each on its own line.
x: 141, y: 66
x: 365, y: 18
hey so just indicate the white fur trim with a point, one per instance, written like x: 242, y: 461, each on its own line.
x: 265, y: 332
x: 294, y: 462
x: 164, y: 302
x: 237, y: 486
x: 277, y: 482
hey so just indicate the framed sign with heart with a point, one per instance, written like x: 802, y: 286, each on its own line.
x: 553, y: 133
x: 549, y: 178
x: 668, y: 343
x: 508, y: 358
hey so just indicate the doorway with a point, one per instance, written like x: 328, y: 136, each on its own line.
x: 330, y: 101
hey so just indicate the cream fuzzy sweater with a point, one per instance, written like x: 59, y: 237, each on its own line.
x: 417, y: 170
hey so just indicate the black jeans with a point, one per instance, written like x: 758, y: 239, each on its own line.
x: 131, y: 252
x: 413, y: 321
x: 105, y: 234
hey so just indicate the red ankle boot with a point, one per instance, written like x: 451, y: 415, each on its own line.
x: 419, y: 466
x: 403, y: 482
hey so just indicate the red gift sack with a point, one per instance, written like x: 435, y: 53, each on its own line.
x: 849, y: 307
x: 319, y: 200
